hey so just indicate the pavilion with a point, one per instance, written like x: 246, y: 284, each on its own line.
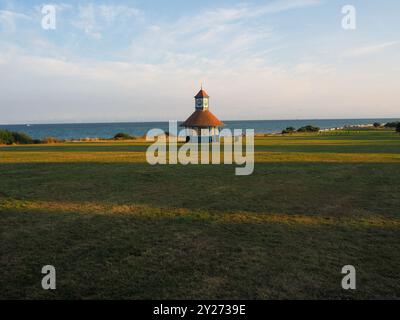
x: 202, y: 118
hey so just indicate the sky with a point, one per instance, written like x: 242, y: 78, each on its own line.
x: 144, y: 60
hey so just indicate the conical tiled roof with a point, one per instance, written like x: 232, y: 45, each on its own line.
x: 202, y: 118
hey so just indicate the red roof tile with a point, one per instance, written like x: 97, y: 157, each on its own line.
x: 202, y: 118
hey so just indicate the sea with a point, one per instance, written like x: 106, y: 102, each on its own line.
x: 71, y: 131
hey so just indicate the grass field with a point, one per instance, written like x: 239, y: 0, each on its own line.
x: 116, y: 227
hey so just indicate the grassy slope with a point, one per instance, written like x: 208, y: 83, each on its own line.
x: 115, y: 227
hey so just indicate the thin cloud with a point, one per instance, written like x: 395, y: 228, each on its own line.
x: 281, y: 6
x: 223, y: 35
x: 94, y: 19
x: 8, y: 19
x: 210, y: 18
x: 367, y: 50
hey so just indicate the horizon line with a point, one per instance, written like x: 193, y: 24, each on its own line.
x: 166, y: 121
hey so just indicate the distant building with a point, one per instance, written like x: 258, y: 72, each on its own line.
x: 202, y: 118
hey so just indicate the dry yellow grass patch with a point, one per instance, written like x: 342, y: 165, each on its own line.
x: 236, y: 217
x: 140, y: 157
x: 327, y: 157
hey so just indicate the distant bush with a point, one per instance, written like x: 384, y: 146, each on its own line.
x: 6, y: 137
x: 308, y: 129
x: 50, y: 140
x: 392, y: 124
x: 123, y: 136
x: 21, y: 138
x: 398, y: 128
x: 377, y: 124
x: 288, y: 130
x: 9, y: 137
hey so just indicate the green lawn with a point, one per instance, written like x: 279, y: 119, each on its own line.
x: 116, y: 227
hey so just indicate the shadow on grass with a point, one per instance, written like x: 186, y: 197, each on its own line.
x: 130, y: 230
x: 150, y: 255
x: 333, y: 189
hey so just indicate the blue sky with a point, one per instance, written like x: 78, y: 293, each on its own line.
x: 144, y: 60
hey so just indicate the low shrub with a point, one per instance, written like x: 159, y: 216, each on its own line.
x: 6, y: 137
x: 288, y: 130
x: 21, y: 138
x: 392, y: 124
x: 10, y: 137
x: 377, y: 124
x: 398, y: 128
x: 123, y: 136
x: 308, y: 128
